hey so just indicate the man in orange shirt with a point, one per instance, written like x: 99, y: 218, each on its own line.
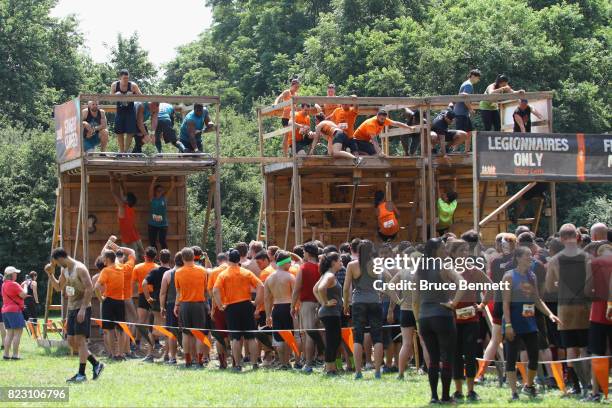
x: 126, y: 201
x: 111, y: 282
x: 217, y: 315
x: 232, y: 292
x: 190, y: 281
x: 365, y: 135
x: 303, y: 135
x: 345, y: 117
x: 138, y: 275
x: 285, y: 96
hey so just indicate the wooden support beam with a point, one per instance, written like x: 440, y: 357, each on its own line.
x: 217, y: 197
x: 538, y: 216
x: 507, y: 204
x: 425, y: 147
x: 399, y: 132
x: 432, y: 183
x: 211, y: 195
x: 274, y: 108
x: 356, y: 177
x: 172, y: 99
x: 254, y: 160
x: 277, y: 132
x: 553, y: 209
x: 289, y: 215
x: 483, y: 195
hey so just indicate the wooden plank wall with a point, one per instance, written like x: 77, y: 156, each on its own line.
x: 102, y: 205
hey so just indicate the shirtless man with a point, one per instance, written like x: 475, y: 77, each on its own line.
x: 75, y: 281
x: 278, y: 288
x: 286, y: 95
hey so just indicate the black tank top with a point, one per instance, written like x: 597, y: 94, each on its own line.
x: 91, y: 119
x: 572, y: 278
x: 124, y: 105
x: 29, y: 301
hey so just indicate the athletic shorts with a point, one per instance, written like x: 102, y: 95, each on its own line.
x: 112, y: 309
x: 171, y: 319
x: 600, y: 338
x: 240, y: 318
x: 89, y: 144
x: 367, y: 314
x: 125, y: 120
x: 285, y: 122
x: 552, y: 330
x: 165, y: 128
x: 463, y: 123
x: 574, y: 338
x: 365, y: 147
x: 74, y: 328
x: 261, y: 320
x: 142, y: 302
x: 498, y: 313
x: 220, y: 322
x: 192, y: 315
x: 13, y: 320
x: 303, y: 145
x: 342, y: 138
x: 536, y: 191
x: 407, y: 318
x: 281, y: 319
x: 308, y: 315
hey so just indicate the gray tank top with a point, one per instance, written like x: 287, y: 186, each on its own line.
x: 429, y: 300
x: 363, y: 289
x: 171, y: 292
x: 335, y: 292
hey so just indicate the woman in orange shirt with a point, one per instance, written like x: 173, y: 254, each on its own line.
x: 386, y: 214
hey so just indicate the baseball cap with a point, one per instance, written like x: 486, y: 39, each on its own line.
x: 382, y: 111
x: 9, y: 270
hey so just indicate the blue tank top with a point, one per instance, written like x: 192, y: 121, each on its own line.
x: 165, y: 112
x: 158, y: 216
x: 197, y: 120
x: 522, y: 306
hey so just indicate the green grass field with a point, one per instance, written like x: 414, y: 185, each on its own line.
x: 133, y: 383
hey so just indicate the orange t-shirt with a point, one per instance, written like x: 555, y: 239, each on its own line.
x: 370, y: 128
x: 127, y: 225
x: 128, y: 271
x: 345, y: 119
x: 302, y: 119
x: 114, y: 280
x: 294, y: 269
x: 235, y: 284
x: 387, y: 221
x: 190, y: 281
x: 140, y: 272
x: 212, y: 276
x: 328, y: 108
x: 263, y: 275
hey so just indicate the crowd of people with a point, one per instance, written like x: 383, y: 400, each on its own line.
x: 238, y: 308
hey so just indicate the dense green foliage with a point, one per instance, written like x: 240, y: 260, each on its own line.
x: 367, y: 47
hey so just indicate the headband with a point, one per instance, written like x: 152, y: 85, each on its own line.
x: 283, y: 261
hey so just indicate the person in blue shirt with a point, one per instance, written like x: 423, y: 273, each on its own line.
x: 194, y: 124
x: 463, y: 110
x: 158, y: 214
x: 162, y: 124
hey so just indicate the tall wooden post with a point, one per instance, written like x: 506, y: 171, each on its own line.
x: 263, y: 219
x: 552, y: 225
x: 432, y: 181
x: 217, y: 198
x: 297, y: 189
x: 425, y: 138
x: 475, y: 199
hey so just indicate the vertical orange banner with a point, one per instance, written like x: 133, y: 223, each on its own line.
x: 557, y: 370
x: 580, y: 156
x: 482, y: 364
x: 201, y: 336
x: 521, y: 367
x: 347, y: 336
x: 165, y: 332
x: 601, y: 367
x: 127, y: 331
x: 290, y: 340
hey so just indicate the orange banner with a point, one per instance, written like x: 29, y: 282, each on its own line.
x: 601, y: 367
x: 482, y: 365
x: 557, y: 370
x: 165, y: 332
x: 127, y: 331
x: 521, y: 367
x: 201, y: 336
x: 347, y: 336
x: 290, y: 340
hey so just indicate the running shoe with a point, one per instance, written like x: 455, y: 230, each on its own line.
x: 458, y: 396
x: 515, y: 396
x: 171, y: 362
x: 237, y: 369
x: 530, y: 391
x: 377, y: 375
x: 472, y: 396
x: 97, y: 370
x: 592, y: 398
x: 148, y: 359
x: 400, y: 377
x: 307, y: 369
x: 77, y: 378
x: 358, y: 376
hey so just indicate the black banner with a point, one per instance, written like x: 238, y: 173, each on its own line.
x: 544, y: 156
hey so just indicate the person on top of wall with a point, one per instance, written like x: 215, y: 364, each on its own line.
x: 442, y: 135
x: 365, y: 135
x: 162, y: 124
x: 462, y: 110
x: 194, y: 124
x: 303, y: 135
x: 125, y: 118
x: 285, y: 96
x: 94, y: 127
x: 412, y: 142
x: 489, y: 111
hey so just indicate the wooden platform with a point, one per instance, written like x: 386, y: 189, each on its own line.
x: 316, y: 164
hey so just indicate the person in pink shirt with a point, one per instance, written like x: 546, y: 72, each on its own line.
x: 12, y: 312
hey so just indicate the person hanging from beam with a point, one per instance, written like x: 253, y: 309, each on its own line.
x: 387, y: 215
x: 125, y: 117
x: 286, y: 95
x: 303, y: 135
x: 443, y: 136
x: 94, y: 127
x: 412, y: 142
x: 446, y: 205
x: 337, y: 140
x: 194, y: 124
x: 126, y: 214
x: 365, y: 135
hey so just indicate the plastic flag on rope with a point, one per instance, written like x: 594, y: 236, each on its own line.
x: 98, y: 322
x: 290, y: 340
x: 482, y: 364
x: 521, y: 367
x: 165, y: 332
x: 127, y: 331
x: 601, y: 367
x: 347, y: 336
x: 201, y: 336
x: 557, y: 370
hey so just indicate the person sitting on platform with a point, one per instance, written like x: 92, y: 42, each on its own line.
x: 345, y: 117
x: 125, y: 117
x: 443, y: 135
x: 162, y: 124
x: 522, y: 116
x: 412, y: 142
x: 446, y: 206
x: 94, y: 127
x: 285, y: 96
x: 365, y: 135
x: 386, y: 214
x: 194, y: 124
x: 126, y: 214
x: 337, y: 140
x: 303, y: 135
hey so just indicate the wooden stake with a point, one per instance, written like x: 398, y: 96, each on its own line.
x: 211, y: 195
x: 538, y: 215
x: 507, y: 203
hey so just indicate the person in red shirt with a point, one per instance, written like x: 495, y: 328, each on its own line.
x: 12, y: 312
x: 126, y: 214
x: 365, y: 135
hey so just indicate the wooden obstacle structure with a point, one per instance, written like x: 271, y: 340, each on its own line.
x: 311, y: 197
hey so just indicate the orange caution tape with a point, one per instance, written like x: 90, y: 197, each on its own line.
x: 290, y: 340
x: 482, y: 364
x: 98, y: 322
x: 165, y: 332
x: 601, y: 367
x: 201, y: 336
x: 347, y: 336
x: 557, y: 370
x: 521, y: 367
x: 127, y: 331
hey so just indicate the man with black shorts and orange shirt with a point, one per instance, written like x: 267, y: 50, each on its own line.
x: 138, y: 275
x: 190, y: 307
x: 151, y: 286
x: 366, y: 133
x: 217, y: 315
x: 232, y: 292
